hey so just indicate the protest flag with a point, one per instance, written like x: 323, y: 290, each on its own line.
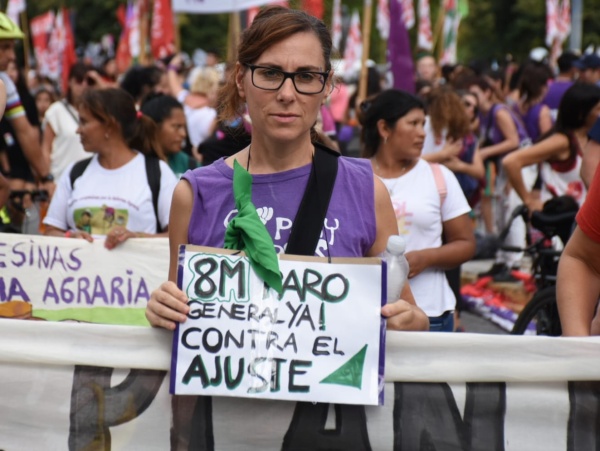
x: 399, y: 53
x: 41, y: 26
x: 162, y: 39
x: 353, y: 49
x: 551, y: 21
x: 124, y: 51
x: 336, y: 24
x: 450, y: 33
x: 15, y: 8
x: 383, y: 18
x: 408, y: 13
x: 313, y: 7
x: 424, y: 36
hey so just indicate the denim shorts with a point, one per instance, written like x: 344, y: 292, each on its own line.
x: 442, y: 323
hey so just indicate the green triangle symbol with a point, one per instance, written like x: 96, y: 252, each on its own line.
x: 350, y: 373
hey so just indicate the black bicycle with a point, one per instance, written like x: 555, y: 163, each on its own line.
x: 540, y: 315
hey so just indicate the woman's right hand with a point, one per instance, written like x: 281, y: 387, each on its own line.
x: 167, y: 306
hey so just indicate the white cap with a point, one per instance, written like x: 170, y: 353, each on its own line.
x: 396, y: 245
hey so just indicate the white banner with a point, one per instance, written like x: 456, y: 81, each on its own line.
x: 70, y: 386
x: 61, y: 279
x: 216, y: 6
x: 246, y: 340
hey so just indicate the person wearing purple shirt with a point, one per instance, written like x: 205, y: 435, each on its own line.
x: 280, y: 44
x: 567, y: 73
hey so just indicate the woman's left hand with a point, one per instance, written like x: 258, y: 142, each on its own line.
x: 402, y: 315
x: 118, y: 235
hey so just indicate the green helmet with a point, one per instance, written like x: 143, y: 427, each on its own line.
x: 8, y: 29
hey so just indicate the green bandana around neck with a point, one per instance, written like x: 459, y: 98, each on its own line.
x: 246, y: 232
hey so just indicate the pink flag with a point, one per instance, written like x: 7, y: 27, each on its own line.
x: 383, y: 18
x: 425, y: 38
x: 408, y: 13
x: 551, y: 21
x: 336, y: 24
x: 41, y: 26
x: 14, y: 8
x: 162, y: 32
x: 353, y: 50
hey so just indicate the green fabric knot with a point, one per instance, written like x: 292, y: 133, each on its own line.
x: 246, y: 232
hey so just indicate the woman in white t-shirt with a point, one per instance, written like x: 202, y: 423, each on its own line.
x: 112, y: 197
x: 430, y: 207
x: 60, y: 143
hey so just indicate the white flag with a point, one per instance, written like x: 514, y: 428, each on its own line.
x: 353, y: 50
x: 383, y: 18
x: 408, y: 13
x: 14, y: 8
x: 336, y: 24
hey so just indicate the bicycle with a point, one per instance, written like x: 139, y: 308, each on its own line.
x: 540, y: 315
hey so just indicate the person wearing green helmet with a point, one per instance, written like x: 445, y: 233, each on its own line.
x: 28, y: 136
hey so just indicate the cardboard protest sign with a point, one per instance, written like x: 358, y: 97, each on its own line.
x: 321, y: 340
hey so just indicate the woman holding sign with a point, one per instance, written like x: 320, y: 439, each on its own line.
x: 282, y: 77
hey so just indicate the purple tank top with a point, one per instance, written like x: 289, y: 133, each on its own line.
x: 531, y: 119
x: 349, y: 229
x: 494, y: 133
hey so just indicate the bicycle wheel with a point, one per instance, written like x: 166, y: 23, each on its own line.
x: 540, y: 315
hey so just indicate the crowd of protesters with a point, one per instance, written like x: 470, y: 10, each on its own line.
x: 456, y: 157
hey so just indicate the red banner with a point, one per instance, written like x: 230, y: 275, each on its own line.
x: 313, y: 7
x: 162, y: 40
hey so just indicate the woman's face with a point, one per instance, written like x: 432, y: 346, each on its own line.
x: 408, y: 135
x: 284, y: 115
x: 91, y: 131
x: 43, y: 102
x: 76, y: 87
x: 173, y: 131
x: 470, y: 103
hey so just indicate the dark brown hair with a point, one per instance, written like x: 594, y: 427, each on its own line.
x: 116, y: 108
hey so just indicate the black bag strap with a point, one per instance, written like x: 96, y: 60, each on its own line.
x: 152, y: 174
x: 78, y: 169
x: 309, y: 220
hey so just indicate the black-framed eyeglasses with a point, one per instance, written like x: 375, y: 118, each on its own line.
x: 271, y: 79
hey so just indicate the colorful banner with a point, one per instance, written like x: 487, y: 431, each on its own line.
x: 88, y: 386
x: 60, y: 279
x: 245, y: 340
x: 216, y: 6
